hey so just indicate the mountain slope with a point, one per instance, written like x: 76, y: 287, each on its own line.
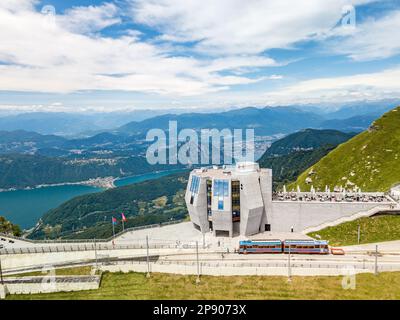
x: 305, y: 140
x: 8, y: 228
x: 21, y: 171
x: 370, y: 160
x: 287, y: 168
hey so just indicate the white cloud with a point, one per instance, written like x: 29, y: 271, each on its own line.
x: 91, y: 18
x: 46, y: 57
x: 372, y: 39
x: 17, y: 5
x: 230, y: 39
x: 239, y: 27
x: 369, y: 86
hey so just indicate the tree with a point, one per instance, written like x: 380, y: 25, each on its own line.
x: 8, y: 228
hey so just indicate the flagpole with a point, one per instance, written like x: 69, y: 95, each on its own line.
x: 123, y: 218
x: 112, y: 221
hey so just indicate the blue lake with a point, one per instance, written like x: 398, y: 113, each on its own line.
x: 25, y: 207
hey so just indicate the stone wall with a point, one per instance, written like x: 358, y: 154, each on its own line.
x: 32, y: 285
x: 302, y: 215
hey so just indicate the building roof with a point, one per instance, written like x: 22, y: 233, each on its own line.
x: 226, y: 172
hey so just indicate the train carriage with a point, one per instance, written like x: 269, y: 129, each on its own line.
x: 306, y: 246
x: 278, y: 246
x: 260, y: 246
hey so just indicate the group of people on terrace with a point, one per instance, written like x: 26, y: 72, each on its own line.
x: 338, y: 195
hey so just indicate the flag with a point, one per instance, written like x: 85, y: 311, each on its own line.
x: 114, y: 221
x: 123, y: 217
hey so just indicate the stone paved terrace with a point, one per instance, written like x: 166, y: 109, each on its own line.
x: 185, y: 232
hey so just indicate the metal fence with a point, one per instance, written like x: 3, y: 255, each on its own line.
x: 93, y: 247
x: 151, y: 226
x: 370, y: 266
x: 155, y: 259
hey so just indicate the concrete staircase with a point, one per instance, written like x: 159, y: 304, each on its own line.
x: 362, y: 214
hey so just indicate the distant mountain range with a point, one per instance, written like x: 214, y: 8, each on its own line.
x: 369, y: 160
x: 128, y: 138
x: 70, y: 124
x: 265, y: 121
x: 353, y: 109
x: 352, y: 124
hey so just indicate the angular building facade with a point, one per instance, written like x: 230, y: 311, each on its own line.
x: 230, y: 200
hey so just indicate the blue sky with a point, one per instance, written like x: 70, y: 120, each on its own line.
x: 138, y: 54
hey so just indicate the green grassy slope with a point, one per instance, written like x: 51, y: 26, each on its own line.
x: 373, y: 229
x: 136, y: 286
x: 287, y: 168
x: 370, y: 160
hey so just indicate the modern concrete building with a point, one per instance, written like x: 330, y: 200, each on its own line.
x: 230, y: 201
x: 238, y: 200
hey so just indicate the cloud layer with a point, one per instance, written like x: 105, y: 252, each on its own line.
x: 204, y: 49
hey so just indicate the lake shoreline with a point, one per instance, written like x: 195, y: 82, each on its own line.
x: 26, y: 206
x: 103, y: 183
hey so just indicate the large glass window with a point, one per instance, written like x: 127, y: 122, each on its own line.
x: 220, y: 204
x: 194, y: 186
x: 209, y: 196
x: 221, y: 188
x: 235, y: 200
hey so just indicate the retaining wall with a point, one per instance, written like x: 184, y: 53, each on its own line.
x: 32, y: 285
x: 303, y: 215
